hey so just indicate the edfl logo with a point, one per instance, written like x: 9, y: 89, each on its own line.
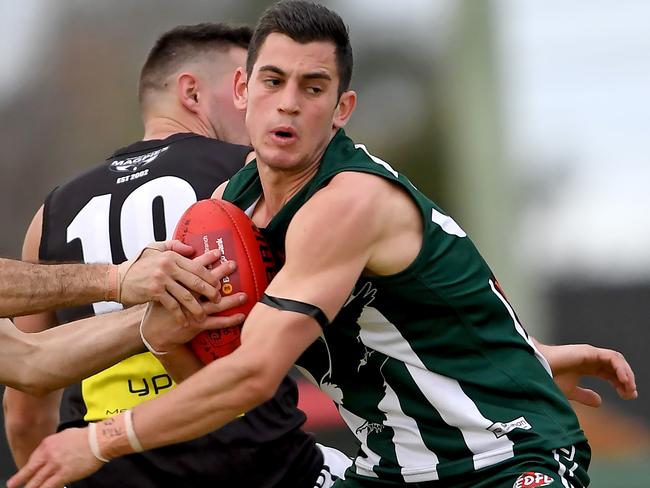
x: 532, y: 479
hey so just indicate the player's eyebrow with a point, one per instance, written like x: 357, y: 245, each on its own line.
x: 317, y: 75
x: 274, y: 69
x: 314, y: 75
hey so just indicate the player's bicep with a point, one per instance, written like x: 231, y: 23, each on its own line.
x: 316, y: 279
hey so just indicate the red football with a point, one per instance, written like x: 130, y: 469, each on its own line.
x: 217, y: 224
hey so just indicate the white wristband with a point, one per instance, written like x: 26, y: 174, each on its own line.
x: 94, y: 445
x: 144, y: 341
x: 130, y: 432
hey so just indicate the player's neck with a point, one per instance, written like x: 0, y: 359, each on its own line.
x: 279, y: 187
x: 161, y: 127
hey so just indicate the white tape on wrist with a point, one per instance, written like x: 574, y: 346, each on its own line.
x: 130, y: 432
x: 144, y: 341
x: 94, y: 445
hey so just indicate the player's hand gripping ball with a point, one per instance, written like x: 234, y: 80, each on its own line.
x: 217, y: 224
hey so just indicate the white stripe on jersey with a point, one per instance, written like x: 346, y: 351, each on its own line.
x: 458, y: 410
x: 442, y: 392
x: 417, y: 461
x: 520, y: 329
x: 355, y: 423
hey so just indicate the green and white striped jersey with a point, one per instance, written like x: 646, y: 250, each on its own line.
x: 430, y: 368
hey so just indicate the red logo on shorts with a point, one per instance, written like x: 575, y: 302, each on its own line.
x: 532, y: 480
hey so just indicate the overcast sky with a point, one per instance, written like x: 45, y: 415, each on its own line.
x: 577, y: 111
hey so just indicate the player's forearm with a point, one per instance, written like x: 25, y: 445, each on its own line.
x: 18, y: 349
x: 204, y: 402
x: 231, y: 385
x: 74, y: 351
x: 29, y: 288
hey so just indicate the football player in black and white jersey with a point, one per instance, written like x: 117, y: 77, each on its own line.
x: 105, y: 215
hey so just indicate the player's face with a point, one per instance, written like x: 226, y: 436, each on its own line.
x: 227, y: 121
x: 292, y: 104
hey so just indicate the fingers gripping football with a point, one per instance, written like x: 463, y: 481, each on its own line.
x: 161, y: 274
x: 161, y: 334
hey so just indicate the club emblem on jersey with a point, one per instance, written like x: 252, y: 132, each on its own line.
x: 531, y: 479
x: 131, y: 165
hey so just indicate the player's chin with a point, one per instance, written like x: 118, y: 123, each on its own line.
x: 281, y: 158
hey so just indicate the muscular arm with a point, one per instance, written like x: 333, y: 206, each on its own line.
x: 40, y: 363
x: 29, y: 288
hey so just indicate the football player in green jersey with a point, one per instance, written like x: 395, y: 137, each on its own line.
x: 382, y: 300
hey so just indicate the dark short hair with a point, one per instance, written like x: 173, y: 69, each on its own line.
x: 305, y: 22
x: 185, y: 43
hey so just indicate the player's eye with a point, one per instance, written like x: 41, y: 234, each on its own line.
x: 314, y: 90
x: 271, y: 82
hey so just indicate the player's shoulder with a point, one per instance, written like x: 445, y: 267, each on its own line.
x: 359, y: 190
x: 365, y: 205
x: 85, y: 180
x: 350, y: 196
x: 346, y: 181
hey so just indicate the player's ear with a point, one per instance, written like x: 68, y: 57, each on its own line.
x: 187, y: 88
x: 344, y: 109
x: 240, y: 88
